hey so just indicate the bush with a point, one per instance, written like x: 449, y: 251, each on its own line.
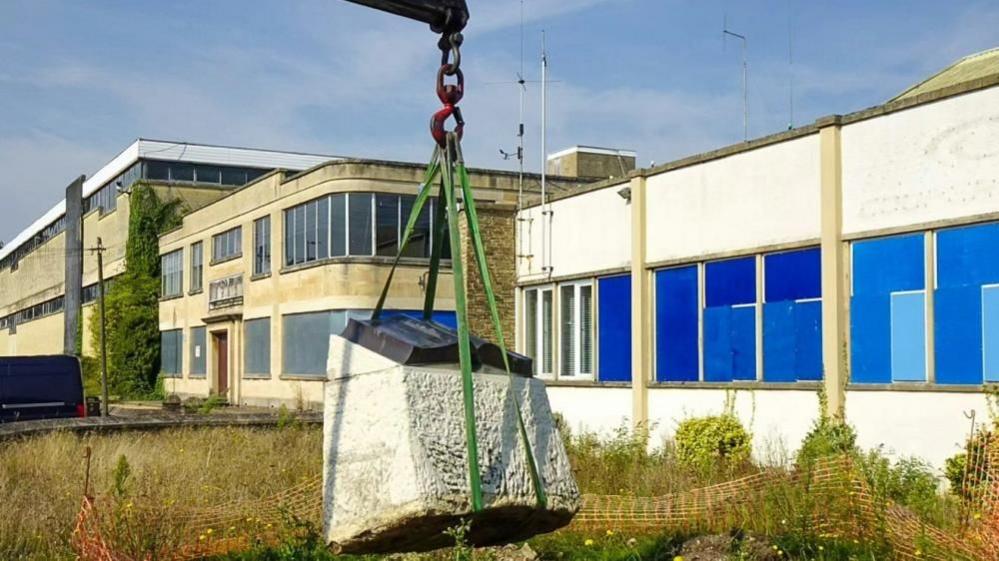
x: 955, y: 468
x: 910, y: 482
x: 705, y: 441
x: 828, y: 437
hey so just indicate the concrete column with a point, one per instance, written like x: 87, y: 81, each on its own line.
x: 73, y: 299
x: 641, y: 309
x: 835, y: 269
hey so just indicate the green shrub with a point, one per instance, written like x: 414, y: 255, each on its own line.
x: 910, y: 482
x: 828, y: 437
x: 956, y: 466
x: 705, y: 441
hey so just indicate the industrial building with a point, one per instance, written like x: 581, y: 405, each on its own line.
x: 856, y: 255
x: 39, y: 264
x: 255, y: 283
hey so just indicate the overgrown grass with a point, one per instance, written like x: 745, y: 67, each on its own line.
x: 41, y: 479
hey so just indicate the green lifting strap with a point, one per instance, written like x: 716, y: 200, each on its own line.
x: 453, y: 162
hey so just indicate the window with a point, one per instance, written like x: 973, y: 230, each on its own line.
x: 197, y: 266
x: 792, y: 316
x: 262, y: 246
x: 198, y: 351
x: 338, y: 224
x: 887, y: 310
x: 172, y: 274
x: 387, y: 225
x: 576, y: 335
x: 677, y: 324
x: 306, y: 341
x: 538, y: 329
x: 359, y: 223
x: 729, y: 324
x: 419, y: 240
x: 171, y: 351
x: 966, y: 314
x: 227, y: 245
x: 614, y: 328
x: 257, y: 351
x: 208, y: 174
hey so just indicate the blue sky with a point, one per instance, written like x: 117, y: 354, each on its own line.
x: 81, y: 80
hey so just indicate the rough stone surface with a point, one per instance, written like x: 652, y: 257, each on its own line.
x: 496, y: 224
x: 395, y: 463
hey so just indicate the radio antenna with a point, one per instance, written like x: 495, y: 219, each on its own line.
x: 745, y: 75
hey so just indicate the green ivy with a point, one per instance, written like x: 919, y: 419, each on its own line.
x: 132, y: 302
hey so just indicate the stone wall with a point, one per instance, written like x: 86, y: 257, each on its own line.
x: 496, y: 224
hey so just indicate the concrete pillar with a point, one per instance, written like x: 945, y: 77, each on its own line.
x: 73, y: 300
x: 835, y: 269
x: 641, y: 312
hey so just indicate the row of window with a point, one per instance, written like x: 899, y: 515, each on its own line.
x: 331, y: 226
x: 106, y: 198
x: 200, y: 173
x: 305, y: 343
x: 760, y: 318
x: 49, y: 307
x: 357, y: 224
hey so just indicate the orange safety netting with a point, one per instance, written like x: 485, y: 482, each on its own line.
x: 833, y: 499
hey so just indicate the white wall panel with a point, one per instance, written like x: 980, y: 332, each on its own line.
x: 927, y: 425
x: 589, y: 409
x: 590, y: 232
x: 762, y: 197
x: 932, y: 162
x: 778, y: 419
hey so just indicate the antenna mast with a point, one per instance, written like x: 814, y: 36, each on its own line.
x: 745, y: 77
x: 546, y: 210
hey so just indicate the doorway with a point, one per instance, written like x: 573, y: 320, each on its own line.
x: 220, y: 343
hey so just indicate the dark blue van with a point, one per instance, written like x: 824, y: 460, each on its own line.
x: 40, y: 387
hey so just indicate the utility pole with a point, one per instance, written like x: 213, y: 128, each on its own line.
x: 99, y: 250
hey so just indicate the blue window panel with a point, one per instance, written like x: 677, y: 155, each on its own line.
x: 614, y: 328
x: 779, y: 342
x: 793, y: 275
x: 445, y: 318
x: 718, y: 344
x: 808, y: 340
x: 908, y: 337
x: 888, y: 265
x: 676, y: 325
x: 730, y: 282
x: 957, y: 319
x: 966, y: 256
x: 744, y: 343
x: 870, y: 339
x: 990, y: 332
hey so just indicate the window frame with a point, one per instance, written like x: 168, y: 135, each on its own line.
x: 197, y: 272
x: 578, y: 331
x: 165, y: 276
x: 540, y: 349
x: 262, y: 264
x: 228, y: 235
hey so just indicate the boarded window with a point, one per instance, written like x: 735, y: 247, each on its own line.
x: 730, y: 320
x: 614, y: 328
x: 677, y: 307
x: 888, y: 300
x: 197, y: 352
x: 792, y: 316
x: 258, y: 348
x: 171, y: 352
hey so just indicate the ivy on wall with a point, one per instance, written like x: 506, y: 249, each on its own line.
x: 132, y: 302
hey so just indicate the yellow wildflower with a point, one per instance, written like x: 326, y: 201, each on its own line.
x: 610, y: 532
x: 202, y: 537
x: 678, y: 558
x: 209, y: 531
x: 588, y: 542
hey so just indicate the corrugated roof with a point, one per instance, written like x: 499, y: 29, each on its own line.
x: 971, y: 67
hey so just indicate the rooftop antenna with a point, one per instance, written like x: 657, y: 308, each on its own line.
x: 745, y: 79
x: 790, y: 66
x: 546, y: 211
x: 519, y: 154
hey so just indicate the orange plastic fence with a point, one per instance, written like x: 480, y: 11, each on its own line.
x: 832, y: 498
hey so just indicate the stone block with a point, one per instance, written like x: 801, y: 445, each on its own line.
x: 395, y: 457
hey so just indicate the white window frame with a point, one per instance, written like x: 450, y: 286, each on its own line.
x: 577, y: 343
x: 539, y: 339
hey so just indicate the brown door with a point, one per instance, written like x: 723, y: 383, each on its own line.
x: 222, y: 361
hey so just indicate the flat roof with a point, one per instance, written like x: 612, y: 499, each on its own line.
x: 593, y: 150
x: 177, y: 151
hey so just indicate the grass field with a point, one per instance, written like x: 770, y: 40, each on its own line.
x: 41, y: 482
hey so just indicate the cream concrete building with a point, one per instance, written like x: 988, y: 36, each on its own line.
x: 255, y: 283
x: 855, y: 255
x: 33, y: 265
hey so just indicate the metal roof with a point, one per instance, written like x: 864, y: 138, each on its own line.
x: 172, y: 151
x: 971, y: 67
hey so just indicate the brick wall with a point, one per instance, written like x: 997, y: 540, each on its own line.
x: 496, y: 224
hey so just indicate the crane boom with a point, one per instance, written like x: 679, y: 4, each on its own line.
x: 443, y: 16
